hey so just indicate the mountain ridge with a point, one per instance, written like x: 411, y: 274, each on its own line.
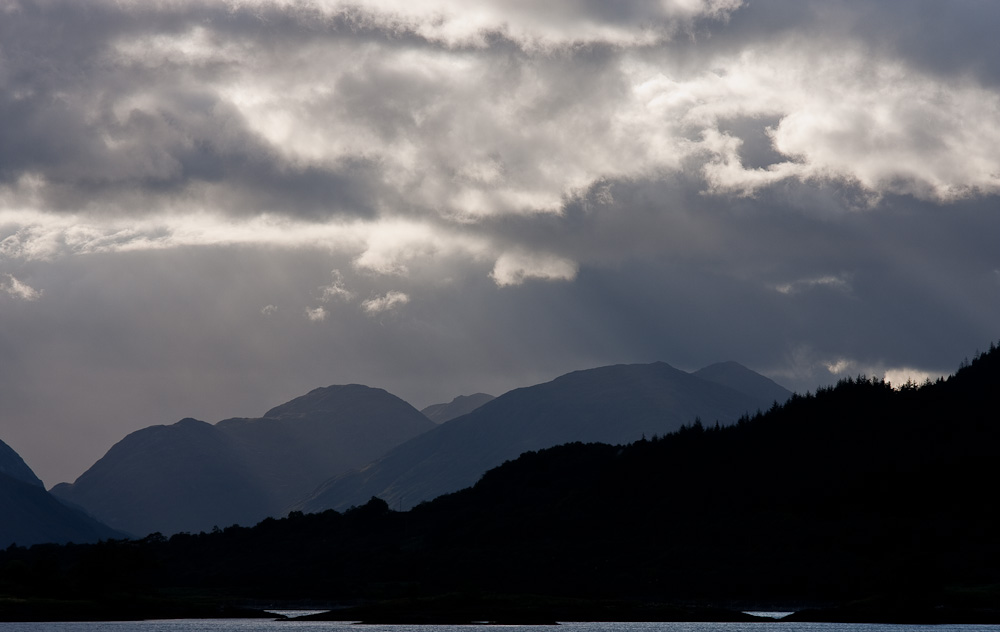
x: 614, y: 404
x: 14, y: 466
x: 461, y: 405
x: 193, y: 476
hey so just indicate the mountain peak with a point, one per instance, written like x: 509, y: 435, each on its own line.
x: 192, y: 475
x: 14, y: 466
x: 329, y: 398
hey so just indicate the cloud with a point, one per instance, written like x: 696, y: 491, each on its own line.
x: 195, y: 110
x: 389, y: 301
x: 399, y: 132
x: 902, y: 375
x: 897, y: 376
x: 531, y: 24
x: 269, y: 310
x: 841, y: 283
x: 19, y: 290
x: 514, y: 268
x: 316, y: 314
x: 840, y: 365
x: 335, y: 289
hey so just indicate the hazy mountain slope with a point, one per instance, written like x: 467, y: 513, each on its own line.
x: 188, y: 476
x: 614, y: 404
x: 461, y: 405
x: 300, y: 444
x: 739, y: 378
x: 30, y: 515
x: 14, y: 466
x: 192, y: 476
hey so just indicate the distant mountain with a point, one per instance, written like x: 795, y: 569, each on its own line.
x: 188, y: 476
x: 296, y: 446
x: 14, y: 466
x: 461, y: 405
x: 192, y: 476
x: 613, y: 404
x: 30, y: 515
x: 739, y: 378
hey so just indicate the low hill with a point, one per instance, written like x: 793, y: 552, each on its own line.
x: 613, y: 404
x: 192, y: 476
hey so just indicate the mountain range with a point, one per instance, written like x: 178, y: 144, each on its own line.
x: 612, y: 404
x: 340, y: 445
x: 193, y: 476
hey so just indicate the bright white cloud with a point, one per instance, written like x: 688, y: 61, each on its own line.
x: 387, y: 302
x: 897, y: 376
x: 464, y: 134
x: 852, y: 116
x: 514, y: 268
x: 902, y: 375
x: 19, y: 290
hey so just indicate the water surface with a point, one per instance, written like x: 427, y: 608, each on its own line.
x: 264, y: 625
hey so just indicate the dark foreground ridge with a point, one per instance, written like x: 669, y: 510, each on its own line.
x: 858, y: 503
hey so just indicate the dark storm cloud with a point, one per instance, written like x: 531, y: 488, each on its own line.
x: 100, y: 124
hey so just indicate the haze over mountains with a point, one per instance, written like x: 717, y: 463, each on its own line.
x: 613, y: 404
x: 193, y: 476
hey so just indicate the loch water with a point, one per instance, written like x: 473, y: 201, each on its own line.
x: 265, y: 625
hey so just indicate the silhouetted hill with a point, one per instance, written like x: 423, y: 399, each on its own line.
x: 14, y: 466
x: 30, y: 515
x: 461, y: 405
x: 614, y: 404
x: 191, y: 476
x: 878, y: 499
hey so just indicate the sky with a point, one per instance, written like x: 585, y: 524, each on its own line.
x: 209, y: 208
